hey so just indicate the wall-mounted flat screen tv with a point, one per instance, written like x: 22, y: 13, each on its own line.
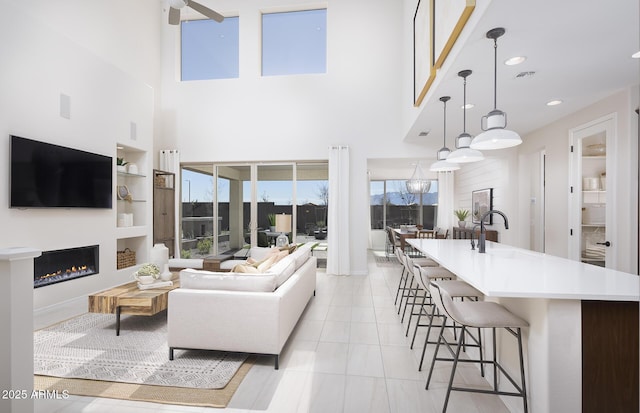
x: 44, y: 175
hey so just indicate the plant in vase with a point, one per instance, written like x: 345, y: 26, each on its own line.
x: 121, y: 165
x: 461, y: 214
x: 147, y: 274
x: 272, y: 222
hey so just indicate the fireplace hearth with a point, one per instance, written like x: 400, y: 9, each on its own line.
x: 63, y: 265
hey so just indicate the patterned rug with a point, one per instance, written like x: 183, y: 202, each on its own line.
x: 87, y: 347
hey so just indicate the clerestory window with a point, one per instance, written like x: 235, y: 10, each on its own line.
x: 294, y: 42
x: 209, y: 50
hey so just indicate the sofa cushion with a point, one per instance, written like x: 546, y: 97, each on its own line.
x: 208, y: 280
x: 302, y: 254
x: 245, y: 268
x: 283, y: 270
x: 186, y: 263
x: 261, y: 253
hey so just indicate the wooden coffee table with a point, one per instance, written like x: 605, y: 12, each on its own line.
x: 129, y: 299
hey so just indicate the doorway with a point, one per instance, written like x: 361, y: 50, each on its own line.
x: 591, y: 216
x: 229, y: 207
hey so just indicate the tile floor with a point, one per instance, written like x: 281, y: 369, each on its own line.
x: 348, y: 353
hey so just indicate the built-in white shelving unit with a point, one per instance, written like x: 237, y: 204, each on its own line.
x: 132, y: 202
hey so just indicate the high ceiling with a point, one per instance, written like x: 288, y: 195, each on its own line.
x: 580, y: 53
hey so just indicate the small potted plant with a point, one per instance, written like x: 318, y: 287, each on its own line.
x: 321, y: 230
x: 462, y: 214
x: 121, y: 165
x: 272, y: 222
x: 147, y: 274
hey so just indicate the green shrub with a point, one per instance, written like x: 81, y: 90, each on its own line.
x: 204, y: 246
x: 185, y: 254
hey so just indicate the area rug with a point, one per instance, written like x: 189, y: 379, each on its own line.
x: 156, y: 394
x: 86, y: 347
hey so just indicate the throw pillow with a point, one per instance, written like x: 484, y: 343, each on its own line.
x: 244, y: 268
x: 264, y: 265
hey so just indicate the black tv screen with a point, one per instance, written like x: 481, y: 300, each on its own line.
x: 44, y: 175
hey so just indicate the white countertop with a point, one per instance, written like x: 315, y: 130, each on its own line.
x: 506, y: 271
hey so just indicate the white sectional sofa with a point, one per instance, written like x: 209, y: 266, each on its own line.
x: 240, y: 312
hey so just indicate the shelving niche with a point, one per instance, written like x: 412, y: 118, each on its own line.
x: 594, y: 198
x: 132, y: 203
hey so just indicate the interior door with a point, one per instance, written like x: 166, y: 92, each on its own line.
x: 592, y: 217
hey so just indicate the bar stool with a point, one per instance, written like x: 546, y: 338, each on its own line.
x: 480, y: 314
x: 404, y: 276
x: 410, y: 292
x: 456, y: 289
x: 429, y: 273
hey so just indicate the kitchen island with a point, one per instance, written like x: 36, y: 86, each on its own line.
x: 582, y: 342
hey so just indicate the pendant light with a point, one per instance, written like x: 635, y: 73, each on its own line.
x: 495, y: 136
x: 464, y: 154
x: 443, y: 165
x: 418, y: 184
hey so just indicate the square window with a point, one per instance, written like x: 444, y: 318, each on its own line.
x: 210, y: 49
x: 294, y: 42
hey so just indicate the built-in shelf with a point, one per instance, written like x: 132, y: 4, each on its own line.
x: 590, y: 180
x: 131, y: 232
x: 127, y: 174
x: 133, y: 235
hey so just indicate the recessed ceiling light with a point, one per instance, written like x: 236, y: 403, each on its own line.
x: 554, y: 102
x: 516, y: 60
x: 468, y: 106
x: 424, y: 133
x: 636, y: 55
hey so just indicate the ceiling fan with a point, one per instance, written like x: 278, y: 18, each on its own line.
x: 176, y: 5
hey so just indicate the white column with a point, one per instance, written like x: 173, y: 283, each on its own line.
x: 16, y: 321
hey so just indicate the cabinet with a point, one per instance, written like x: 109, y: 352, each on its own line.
x: 467, y: 233
x: 591, y: 231
x: 164, y: 209
x: 132, y: 208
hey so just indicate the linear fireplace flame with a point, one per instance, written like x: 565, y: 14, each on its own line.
x: 64, y: 265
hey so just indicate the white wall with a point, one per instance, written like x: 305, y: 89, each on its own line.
x: 493, y: 172
x: 356, y: 103
x: 554, y: 138
x: 38, y: 64
x: 509, y: 172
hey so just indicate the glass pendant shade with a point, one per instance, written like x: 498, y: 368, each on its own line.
x: 418, y: 184
x: 495, y: 136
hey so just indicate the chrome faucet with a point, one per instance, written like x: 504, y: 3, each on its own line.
x: 482, y: 237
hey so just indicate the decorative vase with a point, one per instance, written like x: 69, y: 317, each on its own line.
x: 159, y: 255
x: 462, y: 224
x: 121, y: 168
x: 166, y: 275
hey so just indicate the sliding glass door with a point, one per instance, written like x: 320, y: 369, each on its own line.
x: 241, y: 208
